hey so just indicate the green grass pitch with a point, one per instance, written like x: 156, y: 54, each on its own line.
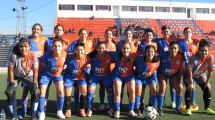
x: 169, y: 114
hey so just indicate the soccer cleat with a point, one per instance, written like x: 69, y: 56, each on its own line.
x: 110, y: 113
x: 132, y: 113
x: 139, y: 114
x: 82, y: 113
x: 160, y: 112
x: 15, y: 118
x: 102, y: 107
x: 89, y: 113
x: 42, y: 116
x: 68, y: 114
x: 60, y: 115
x: 210, y: 111
x: 188, y: 112
x: 173, y: 105
x: 194, y: 107
x: 117, y: 114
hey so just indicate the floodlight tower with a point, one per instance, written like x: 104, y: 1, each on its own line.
x: 20, y: 17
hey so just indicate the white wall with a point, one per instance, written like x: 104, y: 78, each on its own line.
x: 123, y: 14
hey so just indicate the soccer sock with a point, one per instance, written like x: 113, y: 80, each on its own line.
x: 178, y: 101
x: 90, y: 100
x: 173, y: 95
x: 102, y: 94
x: 193, y: 101
x: 187, y: 99
x: 160, y: 102
x: 12, y: 107
x: 42, y: 104
x: 67, y: 103
x: 137, y: 102
x: 110, y: 96
x: 142, y: 102
x: 207, y: 97
x: 154, y: 100
x: 60, y: 103
x: 82, y: 102
x: 131, y: 105
x: 76, y: 97
x: 24, y: 105
x: 34, y: 104
x: 117, y: 106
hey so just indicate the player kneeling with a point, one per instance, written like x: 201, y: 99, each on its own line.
x: 23, y: 66
x: 200, y: 70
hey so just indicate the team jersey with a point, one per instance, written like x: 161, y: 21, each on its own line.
x: 76, y: 68
x: 123, y: 66
x: 187, y: 49
x: 142, y: 68
x: 162, y: 45
x: 89, y: 46
x: 24, y: 68
x: 111, y: 46
x: 134, y: 46
x: 51, y: 65
x: 142, y: 46
x: 199, y: 67
x: 38, y: 45
x: 100, y: 66
x: 49, y: 43
x: 171, y: 66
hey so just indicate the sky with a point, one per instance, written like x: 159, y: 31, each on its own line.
x: 38, y: 11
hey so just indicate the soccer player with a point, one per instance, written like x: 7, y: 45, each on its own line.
x: 100, y: 72
x: 75, y: 74
x: 58, y: 33
x: 171, y: 68
x: 148, y: 40
x: 123, y: 73
x: 110, y: 46
x: 89, y: 46
x: 200, y: 70
x: 145, y: 73
x: 188, y: 47
x: 37, y: 41
x: 53, y: 63
x: 128, y: 38
x: 163, y: 46
x: 23, y: 66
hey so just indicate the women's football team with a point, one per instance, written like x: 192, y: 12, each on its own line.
x: 37, y: 61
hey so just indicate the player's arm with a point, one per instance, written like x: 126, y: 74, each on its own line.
x: 210, y: 70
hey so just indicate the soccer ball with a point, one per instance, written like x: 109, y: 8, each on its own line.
x: 150, y: 113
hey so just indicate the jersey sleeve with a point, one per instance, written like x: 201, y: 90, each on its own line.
x: 12, y: 61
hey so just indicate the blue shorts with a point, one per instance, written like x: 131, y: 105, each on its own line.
x: 123, y: 80
x: 47, y: 79
x: 69, y: 82
x: 143, y: 81
x: 106, y: 80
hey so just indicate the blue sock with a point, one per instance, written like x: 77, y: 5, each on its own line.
x: 12, y: 107
x: 110, y: 97
x: 193, y: 101
x: 117, y: 106
x: 34, y: 106
x: 76, y: 98
x: 42, y: 104
x: 102, y: 95
x: 24, y: 106
x: 137, y: 102
x: 173, y: 95
x: 60, y: 103
x: 160, y: 102
x: 131, y: 105
x: 154, y: 100
x: 178, y: 101
x: 90, y: 100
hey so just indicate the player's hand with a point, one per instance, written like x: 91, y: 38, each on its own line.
x: 10, y: 91
x: 35, y: 89
x: 191, y: 86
